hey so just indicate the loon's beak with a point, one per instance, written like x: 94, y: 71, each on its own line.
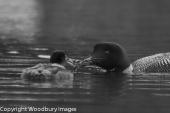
x: 87, y: 61
x: 90, y: 61
x: 95, y: 59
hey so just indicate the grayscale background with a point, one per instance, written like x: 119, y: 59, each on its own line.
x: 29, y: 28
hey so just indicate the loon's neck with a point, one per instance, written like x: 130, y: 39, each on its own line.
x: 128, y: 70
x: 122, y: 65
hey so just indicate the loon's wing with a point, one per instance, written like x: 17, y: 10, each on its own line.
x: 153, y: 64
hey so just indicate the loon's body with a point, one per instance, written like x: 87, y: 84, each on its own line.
x: 113, y: 57
x: 158, y: 63
x: 55, y: 70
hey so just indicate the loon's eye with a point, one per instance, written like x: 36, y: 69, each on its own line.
x: 107, y: 52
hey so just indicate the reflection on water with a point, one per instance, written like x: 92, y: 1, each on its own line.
x: 88, y: 92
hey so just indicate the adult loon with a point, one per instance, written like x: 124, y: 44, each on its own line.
x: 55, y: 70
x: 113, y: 57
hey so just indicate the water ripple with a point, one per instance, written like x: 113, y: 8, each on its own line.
x: 87, y: 87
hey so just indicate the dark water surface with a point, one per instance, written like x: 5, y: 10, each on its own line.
x: 88, y: 93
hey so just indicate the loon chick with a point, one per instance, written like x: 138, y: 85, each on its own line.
x: 113, y: 57
x: 55, y: 70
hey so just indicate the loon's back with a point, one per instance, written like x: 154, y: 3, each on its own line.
x: 153, y: 64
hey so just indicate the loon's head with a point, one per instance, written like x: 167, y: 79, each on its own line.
x: 109, y: 56
x: 58, y: 57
